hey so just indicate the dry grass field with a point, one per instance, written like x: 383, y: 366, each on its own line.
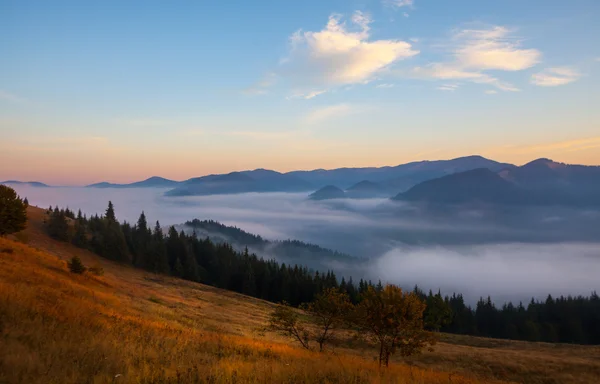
x: 129, y: 326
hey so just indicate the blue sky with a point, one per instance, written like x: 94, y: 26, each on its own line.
x: 121, y: 91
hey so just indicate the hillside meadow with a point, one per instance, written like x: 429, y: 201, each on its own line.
x: 130, y: 326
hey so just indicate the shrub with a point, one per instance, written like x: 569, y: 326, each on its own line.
x: 76, y: 266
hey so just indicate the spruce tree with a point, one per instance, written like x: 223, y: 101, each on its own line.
x: 58, y: 227
x: 13, y: 212
x: 158, y: 259
x: 76, y: 265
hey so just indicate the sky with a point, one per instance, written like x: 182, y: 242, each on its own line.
x: 121, y: 91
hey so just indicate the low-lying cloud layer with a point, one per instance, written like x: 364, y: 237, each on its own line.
x: 509, y: 254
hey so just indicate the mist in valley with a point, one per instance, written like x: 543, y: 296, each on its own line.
x: 510, y: 254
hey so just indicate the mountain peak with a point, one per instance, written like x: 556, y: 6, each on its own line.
x: 328, y: 192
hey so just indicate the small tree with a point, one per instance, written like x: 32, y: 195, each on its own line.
x: 13, y: 212
x: 285, y: 321
x: 76, y: 265
x: 329, y: 309
x: 393, y: 319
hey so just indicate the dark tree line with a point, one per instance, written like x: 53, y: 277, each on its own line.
x: 564, y: 319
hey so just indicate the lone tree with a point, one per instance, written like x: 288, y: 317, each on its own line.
x: 393, y: 319
x: 13, y: 212
x: 285, y: 321
x: 330, y: 310
x: 76, y: 266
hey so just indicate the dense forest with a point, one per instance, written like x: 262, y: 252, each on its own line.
x: 290, y: 251
x: 562, y: 319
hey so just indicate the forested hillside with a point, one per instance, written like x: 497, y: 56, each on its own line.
x: 563, y: 319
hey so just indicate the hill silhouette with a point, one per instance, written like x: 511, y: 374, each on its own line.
x: 327, y: 192
x: 30, y: 183
x: 479, y: 185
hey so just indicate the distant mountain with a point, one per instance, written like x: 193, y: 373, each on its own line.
x: 367, y: 189
x: 541, y: 182
x: 289, y: 251
x: 576, y: 182
x: 475, y: 186
x: 398, y: 178
x: 259, y: 180
x: 152, y: 182
x: 327, y: 192
x: 30, y: 183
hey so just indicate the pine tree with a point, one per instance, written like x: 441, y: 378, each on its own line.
x: 13, y: 211
x: 110, y: 212
x: 157, y: 259
x: 75, y: 265
x: 80, y: 237
x: 58, y: 227
x: 249, y: 282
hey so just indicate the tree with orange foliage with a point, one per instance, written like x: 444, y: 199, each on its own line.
x: 330, y: 310
x: 393, y: 319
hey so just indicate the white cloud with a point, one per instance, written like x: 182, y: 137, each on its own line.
x: 493, y: 49
x: 341, y: 54
x: 448, y: 87
x: 385, y: 85
x: 553, y: 77
x: 399, y: 3
x: 491, y: 92
x: 306, y: 95
x: 440, y: 71
x: 405, y: 14
x: 475, y: 51
x: 11, y: 97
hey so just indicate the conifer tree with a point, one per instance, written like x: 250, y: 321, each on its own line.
x: 58, y: 227
x: 76, y: 265
x: 13, y: 211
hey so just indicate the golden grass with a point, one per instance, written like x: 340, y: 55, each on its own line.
x: 129, y: 326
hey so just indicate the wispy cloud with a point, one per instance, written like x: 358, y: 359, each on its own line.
x: 491, y: 92
x: 448, y: 87
x: 475, y: 51
x: 384, y: 85
x: 306, y: 95
x: 341, y: 54
x: 10, y: 97
x: 262, y: 87
x: 319, y: 115
x: 553, y: 147
x: 553, y: 77
x: 440, y: 71
x: 399, y: 3
x: 493, y: 49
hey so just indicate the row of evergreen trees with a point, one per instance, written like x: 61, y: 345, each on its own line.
x: 565, y: 319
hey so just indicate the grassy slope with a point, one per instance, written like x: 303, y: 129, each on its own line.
x: 56, y: 327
